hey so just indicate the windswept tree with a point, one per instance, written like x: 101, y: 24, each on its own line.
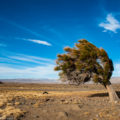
x: 86, y: 62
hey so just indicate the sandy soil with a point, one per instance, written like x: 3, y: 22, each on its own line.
x: 56, y: 102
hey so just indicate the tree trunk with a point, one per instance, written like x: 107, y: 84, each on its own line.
x: 112, y: 94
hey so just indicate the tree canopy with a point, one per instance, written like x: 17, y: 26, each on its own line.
x: 83, y: 63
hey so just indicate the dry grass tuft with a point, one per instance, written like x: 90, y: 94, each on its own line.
x: 11, y: 111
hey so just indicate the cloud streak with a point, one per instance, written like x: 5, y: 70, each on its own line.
x: 34, y: 33
x: 45, y: 71
x: 23, y: 28
x: 32, y: 59
x: 38, y: 67
x: 111, y: 24
x: 39, y: 42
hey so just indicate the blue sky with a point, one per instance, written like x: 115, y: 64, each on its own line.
x: 33, y: 32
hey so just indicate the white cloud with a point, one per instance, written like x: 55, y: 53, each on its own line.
x: 11, y: 57
x: 39, y: 42
x: 116, y: 72
x: 46, y: 71
x: 24, y: 59
x: 33, y: 59
x: 110, y: 24
x: 43, y: 69
x: 40, y: 58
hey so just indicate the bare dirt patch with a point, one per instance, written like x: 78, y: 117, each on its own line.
x: 56, y: 102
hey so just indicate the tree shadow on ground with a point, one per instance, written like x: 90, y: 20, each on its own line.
x: 103, y: 94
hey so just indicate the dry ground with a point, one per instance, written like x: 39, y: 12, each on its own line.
x: 56, y: 102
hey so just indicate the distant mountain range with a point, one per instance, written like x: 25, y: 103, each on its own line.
x: 113, y: 80
x: 31, y: 80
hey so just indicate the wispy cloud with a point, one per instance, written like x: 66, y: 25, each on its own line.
x: 39, y: 42
x: 36, y: 34
x: 111, y: 24
x: 29, y: 72
x: 38, y: 67
x: 23, y: 28
x: 2, y: 45
x: 33, y: 59
x: 25, y: 59
x: 12, y: 57
x: 39, y: 58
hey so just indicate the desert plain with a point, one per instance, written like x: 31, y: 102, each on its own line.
x: 30, y: 101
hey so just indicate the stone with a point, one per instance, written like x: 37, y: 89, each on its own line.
x: 45, y: 92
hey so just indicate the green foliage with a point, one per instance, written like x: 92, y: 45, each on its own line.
x: 67, y: 49
x: 96, y: 78
x: 84, y: 62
